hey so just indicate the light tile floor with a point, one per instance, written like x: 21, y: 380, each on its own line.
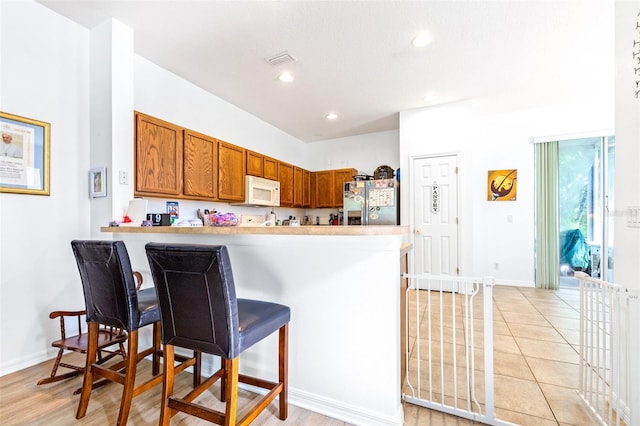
x: 536, y: 336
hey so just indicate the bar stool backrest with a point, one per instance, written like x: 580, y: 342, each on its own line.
x: 108, y: 283
x: 197, y: 297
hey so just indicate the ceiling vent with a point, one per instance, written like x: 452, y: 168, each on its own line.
x: 280, y: 58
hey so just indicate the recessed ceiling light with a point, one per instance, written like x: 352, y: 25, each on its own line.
x: 286, y: 77
x: 421, y: 40
x: 332, y: 116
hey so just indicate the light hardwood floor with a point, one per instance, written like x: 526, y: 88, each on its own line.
x: 535, y: 368
x: 22, y: 402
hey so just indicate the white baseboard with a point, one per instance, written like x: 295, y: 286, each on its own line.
x: 515, y: 283
x: 33, y: 359
x: 339, y: 410
x: 346, y: 413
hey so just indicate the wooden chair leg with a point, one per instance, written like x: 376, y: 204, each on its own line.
x: 231, y: 394
x: 157, y: 338
x: 52, y: 378
x: 167, y: 384
x: 87, y: 383
x: 197, y: 369
x: 283, y: 369
x: 223, y: 380
x: 129, y: 378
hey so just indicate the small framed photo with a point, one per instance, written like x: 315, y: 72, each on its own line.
x: 98, y: 182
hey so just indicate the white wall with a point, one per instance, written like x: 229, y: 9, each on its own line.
x: 164, y: 95
x: 362, y: 152
x: 627, y: 170
x: 493, y: 142
x: 627, y: 185
x: 44, y: 75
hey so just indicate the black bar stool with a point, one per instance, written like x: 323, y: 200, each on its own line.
x: 199, y: 311
x: 112, y: 299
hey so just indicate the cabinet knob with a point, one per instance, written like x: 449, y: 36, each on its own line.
x: 417, y: 231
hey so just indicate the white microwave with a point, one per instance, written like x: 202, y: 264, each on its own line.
x: 261, y: 192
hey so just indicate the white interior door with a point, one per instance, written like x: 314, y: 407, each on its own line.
x: 435, y: 215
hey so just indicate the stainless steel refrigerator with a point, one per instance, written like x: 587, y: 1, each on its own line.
x: 372, y: 202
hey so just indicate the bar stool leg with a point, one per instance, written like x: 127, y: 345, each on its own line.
x: 283, y: 369
x: 231, y: 366
x: 157, y: 338
x: 167, y: 384
x: 129, y: 378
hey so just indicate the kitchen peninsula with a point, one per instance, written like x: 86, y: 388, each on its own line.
x: 341, y: 283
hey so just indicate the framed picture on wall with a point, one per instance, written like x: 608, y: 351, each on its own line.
x: 501, y: 185
x: 24, y: 155
x: 98, y: 182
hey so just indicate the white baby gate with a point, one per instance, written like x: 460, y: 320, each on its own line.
x: 608, y: 322
x: 451, y: 368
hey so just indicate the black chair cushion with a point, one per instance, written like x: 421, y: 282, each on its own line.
x: 258, y: 319
x: 148, y: 306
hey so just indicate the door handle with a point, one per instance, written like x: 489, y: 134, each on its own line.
x: 417, y: 231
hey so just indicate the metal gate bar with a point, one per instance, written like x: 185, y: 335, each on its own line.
x: 450, y: 382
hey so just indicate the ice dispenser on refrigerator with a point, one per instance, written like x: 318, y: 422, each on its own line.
x: 371, y: 202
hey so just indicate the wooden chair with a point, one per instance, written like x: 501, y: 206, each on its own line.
x: 111, y: 299
x: 199, y: 311
x: 107, y: 337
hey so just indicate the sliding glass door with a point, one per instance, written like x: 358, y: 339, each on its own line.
x: 585, y: 193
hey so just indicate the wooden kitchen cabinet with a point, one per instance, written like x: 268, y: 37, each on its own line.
x: 157, y: 157
x: 298, y: 187
x: 306, y: 188
x: 324, y: 188
x: 262, y: 166
x: 231, y: 172
x: 341, y: 176
x: 174, y: 162
x: 312, y: 190
x: 329, y: 187
x: 285, y: 177
x: 255, y: 163
x: 270, y: 166
x: 200, y: 165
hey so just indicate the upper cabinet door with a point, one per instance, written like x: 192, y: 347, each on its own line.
x: 270, y: 168
x: 285, y: 172
x: 231, y: 172
x: 200, y: 165
x: 255, y: 165
x: 341, y: 176
x: 324, y: 190
x: 298, y: 187
x: 158, y: 157
x: 306, y: 188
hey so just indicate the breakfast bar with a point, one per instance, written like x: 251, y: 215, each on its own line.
x: 341, y: 283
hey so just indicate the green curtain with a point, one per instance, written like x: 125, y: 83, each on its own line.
x: 547, y: 271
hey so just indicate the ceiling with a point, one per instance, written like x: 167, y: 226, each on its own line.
x: 355, y: 58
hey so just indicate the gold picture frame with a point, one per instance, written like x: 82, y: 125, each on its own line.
x: 24, y: 155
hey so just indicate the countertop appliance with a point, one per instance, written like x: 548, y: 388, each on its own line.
x: 260, y: 192
x: 372, y: 202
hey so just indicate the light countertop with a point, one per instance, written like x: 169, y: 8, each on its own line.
x: 263, y: 230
